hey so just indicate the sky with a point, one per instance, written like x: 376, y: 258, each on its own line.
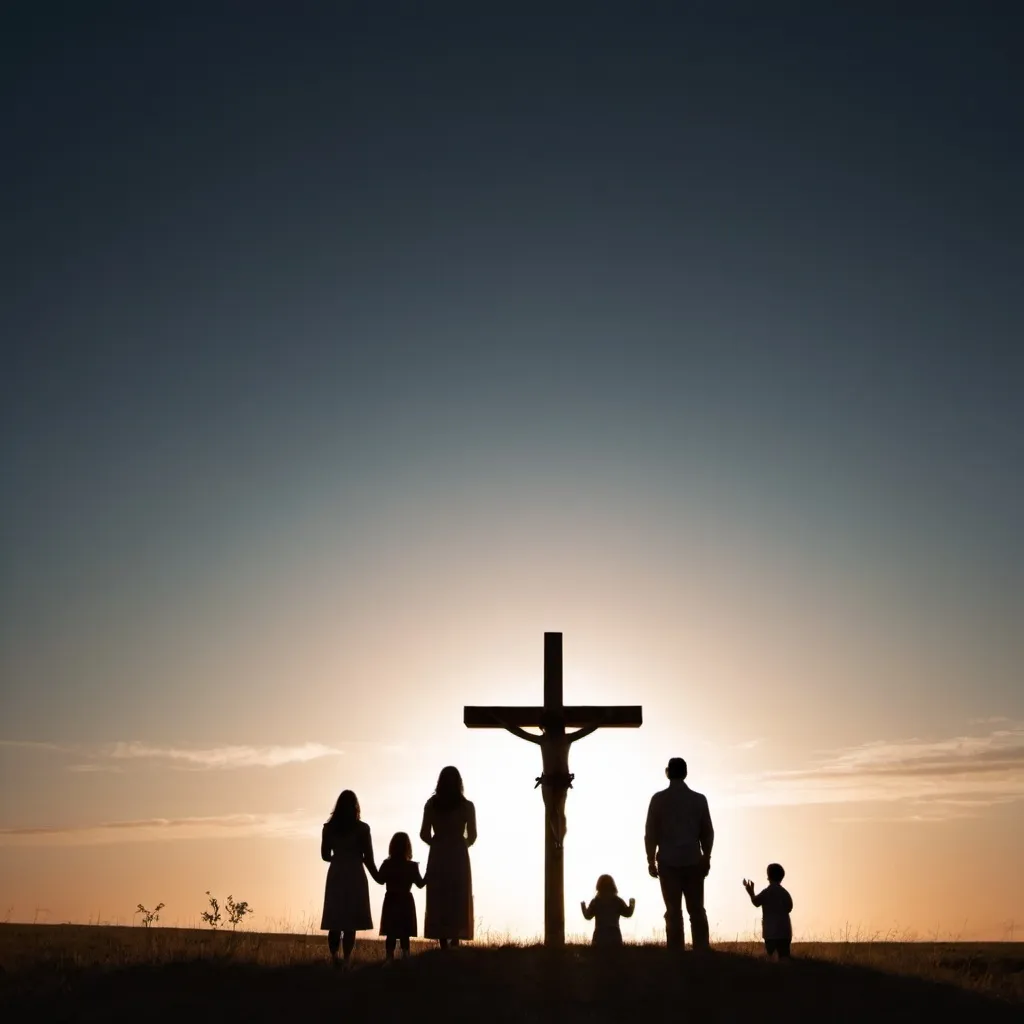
x: 348, y: 348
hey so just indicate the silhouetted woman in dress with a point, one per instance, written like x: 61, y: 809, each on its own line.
x: 346, y: 843
x: 449, y: 829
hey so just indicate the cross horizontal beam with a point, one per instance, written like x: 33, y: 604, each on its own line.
x: 612, y: 716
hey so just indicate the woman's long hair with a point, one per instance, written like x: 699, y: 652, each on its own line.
x: 448, y: 792
x: 346, y: 812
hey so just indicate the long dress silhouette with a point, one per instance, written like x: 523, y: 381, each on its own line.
x: 398, y: 915
x: 347, y: 893
x: 449, y: 831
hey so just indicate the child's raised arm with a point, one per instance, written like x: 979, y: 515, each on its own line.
x: 588, y: 912
x: 627, y: 908
x: 419, y: 880
x: 749, y: 886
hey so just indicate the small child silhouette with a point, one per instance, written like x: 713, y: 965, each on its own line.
x: 776, y: 905
x: 399, y: 872
x: 606, y: 908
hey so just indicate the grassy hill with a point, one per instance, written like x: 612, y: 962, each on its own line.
x: 81, y: 973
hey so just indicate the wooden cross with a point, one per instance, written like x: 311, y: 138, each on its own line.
x: 553, y: 718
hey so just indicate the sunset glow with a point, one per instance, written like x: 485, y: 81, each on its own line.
x: 343, y: 370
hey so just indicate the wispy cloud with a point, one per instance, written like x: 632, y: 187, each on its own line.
x: 28, y: 745
x: 224, y: 826
x: 113, y: 757
x: 925, y: 810
x: 938, y: 779
x: 224, y: 757
x: 748, y: 744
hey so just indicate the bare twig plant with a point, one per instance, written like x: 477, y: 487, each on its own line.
x: 149, y: 916
x: 212, y: 916
x: 236, y: 911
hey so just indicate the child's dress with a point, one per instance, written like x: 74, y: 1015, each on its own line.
x: 398, y: 915
x: 606, y: 911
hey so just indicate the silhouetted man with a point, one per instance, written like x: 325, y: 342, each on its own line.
x: 679, y: 837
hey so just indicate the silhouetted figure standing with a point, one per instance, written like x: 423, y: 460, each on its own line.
x: 678, y: 838
x: 449, y: 829
x: 604, y: 910
x: 399, y: 872
x: 776, y: 905
x: 345, y: 842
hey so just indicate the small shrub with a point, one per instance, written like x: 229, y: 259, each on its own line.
x: 149, y: 916
x: 212, y: 916
x: 235, y: 911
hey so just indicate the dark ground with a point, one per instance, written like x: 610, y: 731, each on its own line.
x: 267, y: 978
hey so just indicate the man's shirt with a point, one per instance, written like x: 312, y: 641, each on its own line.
x: 678, y: 826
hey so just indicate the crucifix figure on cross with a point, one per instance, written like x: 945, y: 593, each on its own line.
x: 553, y: 719
x: 555, y: 779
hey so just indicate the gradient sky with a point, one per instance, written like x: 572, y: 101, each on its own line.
x: 349, y: 347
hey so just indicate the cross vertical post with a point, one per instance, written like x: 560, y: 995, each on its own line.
x: 554, y: 859
x: 553, y: 672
